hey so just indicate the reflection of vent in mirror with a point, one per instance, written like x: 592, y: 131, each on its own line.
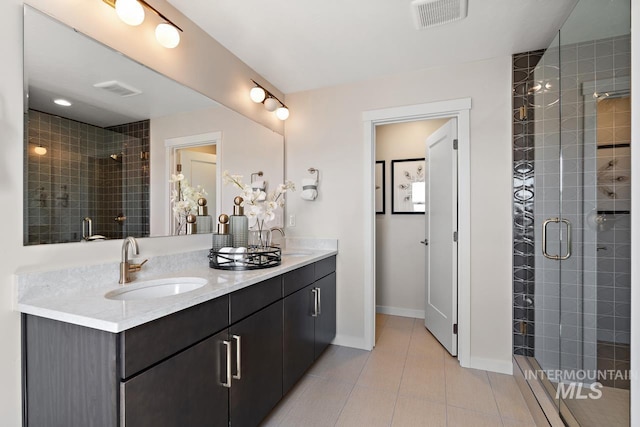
x: 118, y: 88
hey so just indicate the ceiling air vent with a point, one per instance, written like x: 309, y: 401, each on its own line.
x: 118, y: 88
x: 429, y: 13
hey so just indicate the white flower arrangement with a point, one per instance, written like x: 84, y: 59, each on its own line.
x: 258, y: 205
x: 184, y: 200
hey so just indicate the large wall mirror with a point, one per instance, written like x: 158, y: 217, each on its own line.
x: 100, y: 167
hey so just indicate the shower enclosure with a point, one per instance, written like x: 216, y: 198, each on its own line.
x: 572, y: 218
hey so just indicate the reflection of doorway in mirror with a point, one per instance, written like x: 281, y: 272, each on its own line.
x: 200, y: 160
x: 199, y: 167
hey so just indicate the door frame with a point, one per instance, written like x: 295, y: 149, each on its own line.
x: 456, y: 108
x: 173, y: 144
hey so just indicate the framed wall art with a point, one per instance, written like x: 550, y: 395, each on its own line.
x: 408, y: 186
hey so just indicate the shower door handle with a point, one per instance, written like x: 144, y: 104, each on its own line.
x: 544, y: 239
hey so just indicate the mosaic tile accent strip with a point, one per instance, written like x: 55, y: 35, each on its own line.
x: 523, y: 197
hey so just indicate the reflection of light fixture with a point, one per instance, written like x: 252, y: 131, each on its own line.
x: 260, y: 95
x: 62, y: 102
x: 167, y: 35
x: 40, y: 150
x: 131, y: 12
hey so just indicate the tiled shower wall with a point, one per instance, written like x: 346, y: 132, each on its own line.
x: 64, y: 185
x: 524, y: 193
x: 578, y: 287
x: 135, y: 141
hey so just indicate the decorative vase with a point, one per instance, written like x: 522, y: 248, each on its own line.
x: 259, y: 238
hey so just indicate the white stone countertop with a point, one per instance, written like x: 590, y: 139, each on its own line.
x: 76, y: 295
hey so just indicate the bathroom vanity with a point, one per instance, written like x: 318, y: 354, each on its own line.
x: 221, y: 355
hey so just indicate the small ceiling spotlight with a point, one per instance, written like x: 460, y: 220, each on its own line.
x: 62, y: 102
x: 131, y: 12
x: 260, y: 95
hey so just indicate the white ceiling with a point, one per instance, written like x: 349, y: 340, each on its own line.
x: 307, y: 44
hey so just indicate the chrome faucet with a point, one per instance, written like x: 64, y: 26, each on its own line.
x: 126, y: 268
x: 281, y: 230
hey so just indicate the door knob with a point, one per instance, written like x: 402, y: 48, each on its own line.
x: 424, y: 242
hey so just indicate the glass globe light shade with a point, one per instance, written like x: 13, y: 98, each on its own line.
x: 257, y: 94
x: 282, y: 113
x: 167, y: 35
x: 130, y: 12
x: 271, y: 104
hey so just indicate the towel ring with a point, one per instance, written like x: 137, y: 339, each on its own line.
x: 314, y: 171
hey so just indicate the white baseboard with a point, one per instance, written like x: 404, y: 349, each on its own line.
x: 350, y: 341
x: 493, y: 365
x: 398, y: 311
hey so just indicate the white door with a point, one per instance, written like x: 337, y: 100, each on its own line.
x: 200, y: 169
x: 441, y: 307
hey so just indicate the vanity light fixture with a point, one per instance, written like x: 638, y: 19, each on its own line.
x: 260, y: 95
x: 131, y: 12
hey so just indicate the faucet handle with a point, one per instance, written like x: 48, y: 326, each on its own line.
x: 137, y: 267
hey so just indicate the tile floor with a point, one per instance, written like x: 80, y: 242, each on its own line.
x: 407, y: 380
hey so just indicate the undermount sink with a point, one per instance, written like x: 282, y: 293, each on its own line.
x: 156, y: 288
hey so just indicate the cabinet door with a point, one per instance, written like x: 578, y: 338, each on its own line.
x: 325, y: 326
x: 259, y: 368
x: 184, y: 390
x: 298, y: 336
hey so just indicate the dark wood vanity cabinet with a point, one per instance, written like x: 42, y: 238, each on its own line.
x: 225, y: 362
x: 309, y: 317
x: 183, y: 390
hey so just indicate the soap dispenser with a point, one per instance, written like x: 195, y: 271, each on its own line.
x: 204, y: 222
x: 222, y: 238
x: 239, y: 224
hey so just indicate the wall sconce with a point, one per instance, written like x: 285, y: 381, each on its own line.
x: 40, y: 150
x: 260, y: 95
x: 131, y: 12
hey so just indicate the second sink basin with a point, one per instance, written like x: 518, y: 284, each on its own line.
x: 156, y: 288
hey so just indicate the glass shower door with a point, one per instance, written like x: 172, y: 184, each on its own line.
x: 595, y: 200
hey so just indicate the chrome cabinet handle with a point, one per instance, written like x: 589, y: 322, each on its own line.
x: 544, y: 239
x: 227, y: 383
x: 314, y: 291
x: 238, y: 374
x: 319, y: 302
